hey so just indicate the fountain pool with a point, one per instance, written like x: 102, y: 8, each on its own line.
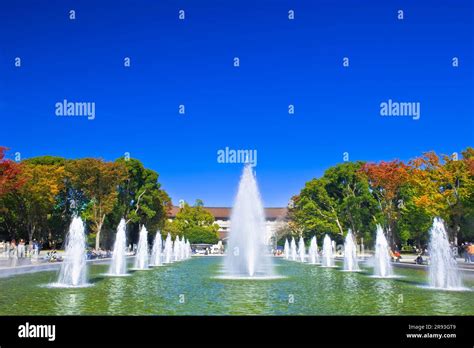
x: 316, y: 290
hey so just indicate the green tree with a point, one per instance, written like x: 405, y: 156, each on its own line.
x: 315, y: 211
x: 200, y: 234
x: 414, y: 221
x: 140, y: 197
x: 193, y: 222
x: 350, y: 190
x: 98, y: 181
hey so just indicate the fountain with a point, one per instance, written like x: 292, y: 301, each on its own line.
x: 73, y: 271
x: 301, y: 250
x: 141, y: 259
x: 286, y: 250
x: 443, y: 272
x: 168, y: 252
x: 246, y: 256
x: 118, y: 267
x: 293, y: 249
x: 328, y: 258
x: 350, y: 254
x: 182, y: 249
x: 382, y: 268
x: 176, y: 249
x: 156, y: 251
x: 313, y: 251
x: 187, y: 254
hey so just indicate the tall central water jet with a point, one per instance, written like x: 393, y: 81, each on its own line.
x: 73, y: 270
x: 382, y: 268
x: 141, y: 259
x: 246, y: 255
x: 328, y: 257
x: 350, y: 254
x: 119, y: 264
x: 443, y: 272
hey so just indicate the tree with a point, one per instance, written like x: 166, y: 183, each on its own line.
x: 350, y: 190
x: 141, y: 201
x: 315, y: 210
x: 194, y: 221
x: 467, y: 220
x: 415, y: 220
x: 444, y: 187
x: 339, y: 200
x: 36, y: 198
x: 200, y: 234
x: 10, y: 171
x: 98, y: 181
x: 283, y: 231
x: 386, y: 180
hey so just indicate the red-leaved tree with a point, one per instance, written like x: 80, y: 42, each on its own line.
x: 9, y: 174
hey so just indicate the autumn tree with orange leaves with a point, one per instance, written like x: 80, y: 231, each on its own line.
x: 386, y: 180
x: 98, y: 180
x: 445, y: 186
x: 9, y: 174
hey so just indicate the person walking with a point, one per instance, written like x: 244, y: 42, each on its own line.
x: 21, y: 249
x: 13, y: 249
x: 13, y: 253
x: 35, y: 248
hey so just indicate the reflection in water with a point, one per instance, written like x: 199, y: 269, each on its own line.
x: 116, y: 287
x: 384, y: 296
x: 350, y: 282
x: 141, y: 289
x: 251, y: 297
x: 326, y: 278
x: 69, y: 303
x: 351, y: 287
x: 445, y: 302
x: 315, y: 290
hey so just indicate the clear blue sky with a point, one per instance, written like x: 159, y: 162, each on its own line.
x: 190, y: 62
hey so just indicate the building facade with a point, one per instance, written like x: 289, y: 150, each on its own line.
x: 222, y: 216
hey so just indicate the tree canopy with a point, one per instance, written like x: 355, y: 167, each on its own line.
x: 194, y: 223
x: 402, y: 197
x: 40, y: 195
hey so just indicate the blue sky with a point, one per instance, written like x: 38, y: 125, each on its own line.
x: 190, y: 62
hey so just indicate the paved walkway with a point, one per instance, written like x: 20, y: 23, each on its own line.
x: 30, y: 265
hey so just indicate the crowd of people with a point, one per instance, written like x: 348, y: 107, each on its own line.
x: 98, y: 254
x: 20, y: 249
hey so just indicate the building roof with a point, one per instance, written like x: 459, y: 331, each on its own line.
x: 225, y: 212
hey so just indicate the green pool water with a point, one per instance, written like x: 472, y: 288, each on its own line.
x: 192, y: 287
